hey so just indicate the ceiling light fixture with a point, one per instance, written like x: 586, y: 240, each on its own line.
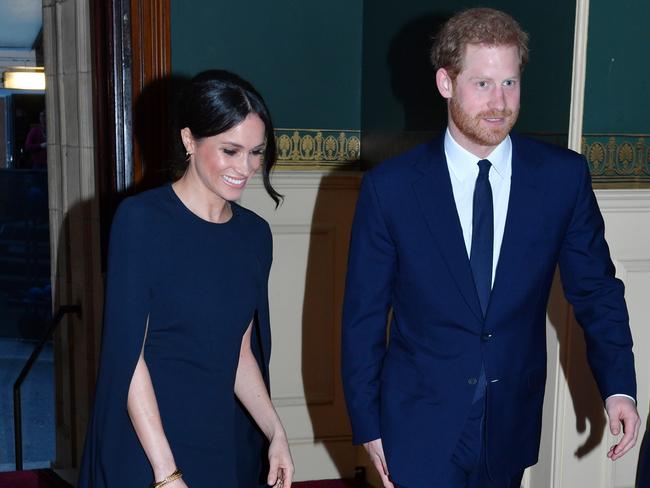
x: 29, y: 79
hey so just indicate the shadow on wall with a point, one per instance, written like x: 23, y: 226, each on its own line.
x: 585, y: 395
x: 321, y: 318
x: 587, y: 402
x: 77, y: 338
x: 413, y: 84
x: 413, y: 78
x: 156, y: 132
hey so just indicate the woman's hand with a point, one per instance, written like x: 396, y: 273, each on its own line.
x: 280, y: 462
x: 252, y: 392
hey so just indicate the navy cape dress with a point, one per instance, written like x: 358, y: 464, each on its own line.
x: 186, y: 289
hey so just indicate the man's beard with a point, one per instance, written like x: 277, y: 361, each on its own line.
x: 470, y: 126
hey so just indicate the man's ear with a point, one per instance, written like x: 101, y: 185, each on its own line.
x: 444, y: 83
x: 188, y: 140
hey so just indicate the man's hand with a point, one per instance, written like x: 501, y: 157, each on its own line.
x: 622, y: 410
x: 375, y: 450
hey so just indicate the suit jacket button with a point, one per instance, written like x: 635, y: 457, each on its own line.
x: 486, y: 336
x: 472, y: 381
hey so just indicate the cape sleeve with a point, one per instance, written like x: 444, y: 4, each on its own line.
x: 252, y: 446
x: 126, y: 310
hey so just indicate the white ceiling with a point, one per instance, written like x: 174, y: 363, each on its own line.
x: 20, y: 23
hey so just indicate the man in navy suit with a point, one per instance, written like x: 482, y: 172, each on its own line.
x: 460, y: 238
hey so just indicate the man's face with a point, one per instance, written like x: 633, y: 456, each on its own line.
x: 484, y: 98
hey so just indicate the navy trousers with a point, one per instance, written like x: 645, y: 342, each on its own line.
x: 467, y: 467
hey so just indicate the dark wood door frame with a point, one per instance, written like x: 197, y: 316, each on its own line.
x: 151, y: 70
x: 132, y: 61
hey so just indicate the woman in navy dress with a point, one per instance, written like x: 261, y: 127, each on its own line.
x: 182, y: 391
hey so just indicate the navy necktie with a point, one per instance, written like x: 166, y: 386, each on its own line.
x: 480, y: 256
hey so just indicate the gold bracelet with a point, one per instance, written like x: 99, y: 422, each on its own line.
x: 176, y: 475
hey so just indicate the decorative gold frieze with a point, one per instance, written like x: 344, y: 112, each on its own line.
x: 618, y: 158
x: 317, y: 147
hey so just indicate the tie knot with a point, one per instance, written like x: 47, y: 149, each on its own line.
x: 484, y: 168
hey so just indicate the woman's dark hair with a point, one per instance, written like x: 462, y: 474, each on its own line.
x: 215, y: 101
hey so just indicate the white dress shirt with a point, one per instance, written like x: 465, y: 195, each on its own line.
x: 463, y: 170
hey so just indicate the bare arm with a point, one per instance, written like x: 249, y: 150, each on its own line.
x: 145, y: 416
x: 251, y: 391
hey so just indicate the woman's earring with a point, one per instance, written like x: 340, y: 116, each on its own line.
x: 188, y: 155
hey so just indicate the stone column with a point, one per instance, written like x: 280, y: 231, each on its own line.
x: 74, y: 216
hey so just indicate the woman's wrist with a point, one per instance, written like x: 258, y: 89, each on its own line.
x: 177, y: 474
x: 277, y: 432
x: 163, y: 470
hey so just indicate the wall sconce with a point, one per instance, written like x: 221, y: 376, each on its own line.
x: 25, y: 79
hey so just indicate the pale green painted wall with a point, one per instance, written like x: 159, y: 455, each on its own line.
x: 304, y: 57
x: 617, y: 92
x: 354, y: 64
x: 398, y: 84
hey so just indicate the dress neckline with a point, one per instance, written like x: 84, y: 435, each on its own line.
x: 186, y: 210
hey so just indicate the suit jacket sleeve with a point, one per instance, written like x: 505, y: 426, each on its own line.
x: 596, y: 295
x: 371, y: 270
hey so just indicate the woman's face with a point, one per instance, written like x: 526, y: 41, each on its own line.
x: 225, y: 162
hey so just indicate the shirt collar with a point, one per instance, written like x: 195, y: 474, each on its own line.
x: 463, y: 163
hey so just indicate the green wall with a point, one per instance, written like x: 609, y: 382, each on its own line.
x: 303, y: 57
x: 351, y: 64
x: 399, y: 90
x: 617, y: 96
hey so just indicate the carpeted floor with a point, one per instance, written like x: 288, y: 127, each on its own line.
x: 325, y: 484
x: 41, y: 478
x: 45, y: 478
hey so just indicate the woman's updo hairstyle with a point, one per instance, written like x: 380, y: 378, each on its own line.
x: 215, y: 101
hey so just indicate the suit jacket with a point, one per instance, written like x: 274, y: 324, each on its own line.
x: 407, y: 254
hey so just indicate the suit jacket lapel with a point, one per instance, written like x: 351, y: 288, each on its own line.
x: 435, y: 196
x: 524, y: 217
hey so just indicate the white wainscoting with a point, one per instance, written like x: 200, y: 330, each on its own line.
x: 311, y: 232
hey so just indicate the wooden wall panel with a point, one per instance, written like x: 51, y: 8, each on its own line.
x: 151, y: 68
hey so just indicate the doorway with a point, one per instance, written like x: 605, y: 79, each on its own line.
x: 25, y: 288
